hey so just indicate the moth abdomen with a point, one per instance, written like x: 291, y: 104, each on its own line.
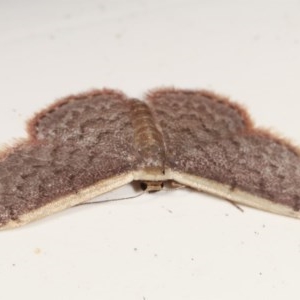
x: 148, y: 139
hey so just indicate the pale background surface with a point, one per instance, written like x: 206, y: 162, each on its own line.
x: 170, y: 245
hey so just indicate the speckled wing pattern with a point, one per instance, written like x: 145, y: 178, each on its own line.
x: 85, y: 145
x: 212, y: 145
x: 81, y: 141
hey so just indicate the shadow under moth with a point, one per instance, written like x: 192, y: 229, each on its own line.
x: 88, y: 144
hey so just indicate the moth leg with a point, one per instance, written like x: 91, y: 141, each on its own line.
x: 176, y: 185
x: 235, y: 205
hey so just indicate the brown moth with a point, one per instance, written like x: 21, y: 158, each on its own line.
x: 88, y: 144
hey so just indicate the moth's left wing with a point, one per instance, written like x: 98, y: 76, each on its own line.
x: 212, y: 146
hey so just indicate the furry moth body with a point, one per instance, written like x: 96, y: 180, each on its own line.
x: 88, y: 144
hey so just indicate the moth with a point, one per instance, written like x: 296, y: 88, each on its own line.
x: 88, y: 144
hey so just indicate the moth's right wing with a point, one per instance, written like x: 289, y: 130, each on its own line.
x: 80, y: 147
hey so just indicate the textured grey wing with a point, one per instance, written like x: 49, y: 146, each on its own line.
x: 208, y: 137
x: 75, y: 144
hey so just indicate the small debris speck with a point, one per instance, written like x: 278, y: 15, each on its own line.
x: 168, y: 210
x: 37, y: 251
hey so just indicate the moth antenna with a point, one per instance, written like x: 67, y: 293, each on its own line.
x: 111, y: 200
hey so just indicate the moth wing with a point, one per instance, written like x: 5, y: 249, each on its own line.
x: 211, y: 145
x: 80, y: 147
